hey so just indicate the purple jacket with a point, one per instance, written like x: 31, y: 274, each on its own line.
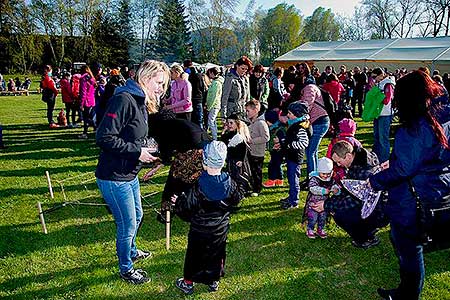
x: 87, y: 90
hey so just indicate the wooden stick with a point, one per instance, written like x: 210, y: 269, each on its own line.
x: 41, y: 218
x: 167, y: 229
x: 49, y: 182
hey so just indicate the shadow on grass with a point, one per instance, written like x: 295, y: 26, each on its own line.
x: 61, y: 280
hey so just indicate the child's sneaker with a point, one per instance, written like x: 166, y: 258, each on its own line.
x: 321, y: 233
x: 279, y: 182
x: 186, y: 288
x: 135, y: 276
x: 214, y: 287
x: 269, y: 183
x: 310, y: 234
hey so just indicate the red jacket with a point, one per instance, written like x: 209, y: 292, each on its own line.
x: 48, y: 83
x: 66, y: 91
x: 335, y: 89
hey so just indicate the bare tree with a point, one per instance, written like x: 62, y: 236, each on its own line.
x: 381, y: 17
x: 145, y: 16
x: 438, y: 15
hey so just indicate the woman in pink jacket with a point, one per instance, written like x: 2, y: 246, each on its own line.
x: 87, y: 98
x: 180, y: 100
x: 320, y: 122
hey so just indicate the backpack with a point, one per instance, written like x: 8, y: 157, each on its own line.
x: 329, y: 105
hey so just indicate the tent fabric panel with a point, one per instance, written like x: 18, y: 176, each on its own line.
x: 355, y: 54
x: 408, y: 54
x: 304, y: 55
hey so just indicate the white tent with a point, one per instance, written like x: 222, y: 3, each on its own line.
x: 390, y: 53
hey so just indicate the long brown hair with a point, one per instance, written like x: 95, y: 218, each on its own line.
x: 86, y: 69
x: 412, y: 96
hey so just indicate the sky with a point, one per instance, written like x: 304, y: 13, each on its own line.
x: 307, y: 7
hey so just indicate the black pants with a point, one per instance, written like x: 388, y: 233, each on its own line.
x: 71, y: 110
x: 88, y: 118
x: 361, y: 230
x: 358, y: 99
x: 50, y: 109
x: 256, y: 166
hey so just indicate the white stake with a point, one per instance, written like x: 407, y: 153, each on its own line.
x: 167, y: 229
x: 41, y: 218
x: 49, y: 182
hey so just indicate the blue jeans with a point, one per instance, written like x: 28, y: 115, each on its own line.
x: 212, y: 124
x: 294, y: 171
x: 274, y: 169
x: 197, y: 114
x: 381, y: 146
x: 124, y: 200
x: 412, y: 268
x: 320, y: 128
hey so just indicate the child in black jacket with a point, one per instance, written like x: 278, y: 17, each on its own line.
x: 207, y: 206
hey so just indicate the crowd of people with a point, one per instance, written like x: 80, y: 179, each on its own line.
x: 14, y: 84
x: 163, y: 115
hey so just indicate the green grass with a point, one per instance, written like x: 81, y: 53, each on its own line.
x: 269, y: 256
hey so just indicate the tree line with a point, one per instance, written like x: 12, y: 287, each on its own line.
x: 121, y: 32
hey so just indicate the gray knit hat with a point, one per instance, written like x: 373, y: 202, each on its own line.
x: 215, y: 154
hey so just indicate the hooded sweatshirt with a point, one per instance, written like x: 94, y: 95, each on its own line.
x: 121, y: 134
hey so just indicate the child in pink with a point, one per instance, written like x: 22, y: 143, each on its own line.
x: 347, y: 130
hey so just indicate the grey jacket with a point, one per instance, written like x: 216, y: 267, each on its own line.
x: 235, y: 93
x: 259, y: 133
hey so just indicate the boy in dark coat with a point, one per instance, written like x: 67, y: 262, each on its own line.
x: 207, y: 207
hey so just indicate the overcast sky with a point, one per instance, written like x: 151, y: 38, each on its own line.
x: 307, y: 7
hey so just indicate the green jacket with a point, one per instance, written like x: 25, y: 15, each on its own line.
x: 373, y: 104
x: 214, y: 94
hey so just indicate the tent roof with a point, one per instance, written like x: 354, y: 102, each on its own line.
x: 412, y: 49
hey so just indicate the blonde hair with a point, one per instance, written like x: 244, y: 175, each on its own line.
x: 177, y: 68
x: 149, y: 69
x: 242, y: 129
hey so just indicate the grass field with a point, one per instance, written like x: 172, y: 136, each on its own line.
x: 269, y: 256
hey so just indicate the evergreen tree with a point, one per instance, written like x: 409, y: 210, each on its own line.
x: 172, y: 32
x: 125, y: 29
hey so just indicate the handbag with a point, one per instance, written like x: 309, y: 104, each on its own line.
x: 433, y: 223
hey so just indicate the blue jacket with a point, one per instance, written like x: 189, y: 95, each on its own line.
x: 418, y: 156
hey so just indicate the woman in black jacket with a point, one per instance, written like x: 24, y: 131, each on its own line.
x: 121, y: 137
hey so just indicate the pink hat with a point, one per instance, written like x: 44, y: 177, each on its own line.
x: 347, y: 126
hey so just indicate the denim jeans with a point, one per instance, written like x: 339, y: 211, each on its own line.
x: 124, y: 200
x: 212, y: 124
x: 274, y: 169
x: 320, y: 128
x: 381, y: 129
x: 412, y: 268
x: 294, y: 171
x: 197, y: 114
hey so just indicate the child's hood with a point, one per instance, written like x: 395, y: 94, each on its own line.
x: 215, y: 188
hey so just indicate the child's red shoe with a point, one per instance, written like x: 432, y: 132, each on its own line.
x: 269, y: 183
